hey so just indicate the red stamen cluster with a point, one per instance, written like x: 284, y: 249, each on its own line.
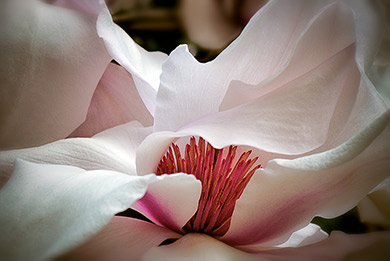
x: 223, y: 181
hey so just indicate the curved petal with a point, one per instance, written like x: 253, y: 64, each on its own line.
x: 122, y: 239
x: 375, y: 208
x: 308, y: 235
x: 305, y: 236
x: 114, y: 102
x: 53, y: 61
x: 145, y: 67
x: 380, y: 71
x: 198, y: 247
x: 46, y: 210
x: 171, y: 202
x: 190, y: 90
x: 339, y: 246
x: 287, y: 194
x: 313, y: 48
x: 364, y: 25
x: 113, y: 149
x: 285, y: 121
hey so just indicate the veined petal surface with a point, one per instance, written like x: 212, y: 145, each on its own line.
x: 190, y: 90
x: 53, y: 60
x: 46, y: 210
x: 112, y: 149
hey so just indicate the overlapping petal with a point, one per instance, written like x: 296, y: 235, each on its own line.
x: 302, y: 110
x: 194, y: 247
x: 145, y: 67
x: 339, y: 246
x: 122, y: 239
x: 114, y: 102
x: 259, y: 122
x: 113, y: 149
x: 53, y: 60
x: 292, y: 119
x: 46, y: 210
x: 171, y: 202
x: 287, y: 194
x: 375, y: 209
x: 192, y: 90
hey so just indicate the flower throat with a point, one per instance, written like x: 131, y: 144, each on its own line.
x: 223, y: 179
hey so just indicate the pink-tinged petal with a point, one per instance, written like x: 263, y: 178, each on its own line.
x: 287, y: 194
x: 190, y: 90
x: 375, y: 208
x: 171, y: 202
x: 339, y: 246
x: 145, y: 67
x: 198, y: 247
x: 308, y: 235
x: 114, y: 102
x: 45, y: 210
x: 122, y: 239
x: 113, y: 149
x: 53, y: 60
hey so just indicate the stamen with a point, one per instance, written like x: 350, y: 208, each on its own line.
x: 223, y: 181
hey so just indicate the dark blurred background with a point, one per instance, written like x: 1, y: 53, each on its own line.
x: 207, y: 26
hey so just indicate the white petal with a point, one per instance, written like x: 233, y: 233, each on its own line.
x: 287, y: 194
x: 145, y: 67
x: 329, y: 32
x: 52, y: 61
x: 305, y: 236
x: 47, y: 209
x: 308, y: 235
x: 293, y: 119
x: 113, y: 149
x: 171, y: 202
x: 339, y: 246
x: 190, y: 90
x: 198, y: 247
x: 375, y: 208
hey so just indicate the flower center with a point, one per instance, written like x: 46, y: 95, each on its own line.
x: 223, y: 176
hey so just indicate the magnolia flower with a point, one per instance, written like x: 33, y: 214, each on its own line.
x: 244, y: 151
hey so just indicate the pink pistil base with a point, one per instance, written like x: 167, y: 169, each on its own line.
x: 223, y: 179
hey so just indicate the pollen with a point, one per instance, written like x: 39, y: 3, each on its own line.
x: 223, y: 174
